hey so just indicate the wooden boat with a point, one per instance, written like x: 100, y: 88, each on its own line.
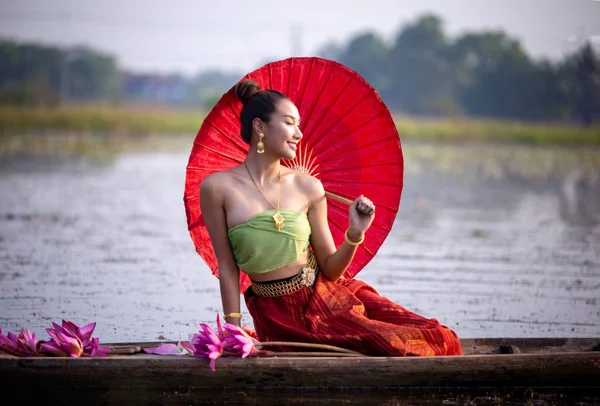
x: 129, y: 375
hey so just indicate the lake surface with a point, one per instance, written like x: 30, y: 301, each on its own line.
x: 493, y: 241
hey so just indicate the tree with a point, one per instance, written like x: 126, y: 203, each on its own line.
x: 367, y: 54
x: 585, y: 65
x: 81, y: 73
x: 418, y: 69
x: 493, y: 75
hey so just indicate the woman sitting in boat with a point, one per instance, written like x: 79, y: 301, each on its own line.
x: 271, y: 222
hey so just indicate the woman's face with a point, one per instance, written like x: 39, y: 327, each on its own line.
x: 282, y: 133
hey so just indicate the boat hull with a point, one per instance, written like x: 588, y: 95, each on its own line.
x: 546, y: 364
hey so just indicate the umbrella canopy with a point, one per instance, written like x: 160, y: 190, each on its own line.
x: 350, y: 144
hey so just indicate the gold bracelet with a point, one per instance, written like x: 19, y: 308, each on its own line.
x: 233, y: 315
x: 352, y: 243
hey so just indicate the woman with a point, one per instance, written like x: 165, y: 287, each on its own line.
x: 271, y: 222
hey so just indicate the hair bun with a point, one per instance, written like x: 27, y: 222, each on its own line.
x: 245, y: 89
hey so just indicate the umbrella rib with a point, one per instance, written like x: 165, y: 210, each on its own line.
x: 340, y: 228
x: 216, y: 152
x: 381, y: 227
x: 355, y: 129
x: 315, y: 103
x: 226, y: 136
x: 330, y: 107
x: 312, y: 63
x: 350, y: 152
x: 235, y: 113
x: 304, y: 162
x: 362, y: 182
x: 199, y: 168
x: 345, y: 168
x: 287, y: 91
x: 364, y: 247
x: 386, y: 116
x: 346, y: 113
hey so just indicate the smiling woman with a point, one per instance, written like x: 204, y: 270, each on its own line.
x: 270, y: 223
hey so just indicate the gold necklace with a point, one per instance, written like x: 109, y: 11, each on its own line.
x: 277, y: 217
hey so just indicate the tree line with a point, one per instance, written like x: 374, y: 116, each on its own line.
x: 421, y: 72
x: 33, y: 74
x: 484, y: 74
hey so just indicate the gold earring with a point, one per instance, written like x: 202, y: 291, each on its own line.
x: 260, y: 146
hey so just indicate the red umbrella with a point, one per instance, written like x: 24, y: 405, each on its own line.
x: 350, y: 143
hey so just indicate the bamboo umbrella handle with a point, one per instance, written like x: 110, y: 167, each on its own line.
x: 366, y: 212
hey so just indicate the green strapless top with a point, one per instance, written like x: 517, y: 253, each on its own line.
x: 258, y: 246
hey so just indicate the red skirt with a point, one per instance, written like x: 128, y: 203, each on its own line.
x: 349, y: 314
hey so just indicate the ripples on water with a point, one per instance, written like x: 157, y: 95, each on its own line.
x: 487, y: 249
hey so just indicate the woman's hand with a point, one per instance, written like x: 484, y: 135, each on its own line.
x: 359, y: 222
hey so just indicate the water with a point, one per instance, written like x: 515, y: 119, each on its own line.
x: 492, y: 241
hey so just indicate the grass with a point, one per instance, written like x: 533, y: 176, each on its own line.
x: 100, y: 119
x: 91, y: 127
x: 487, y: 130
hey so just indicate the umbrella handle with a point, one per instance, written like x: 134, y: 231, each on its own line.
x: 367, y: 212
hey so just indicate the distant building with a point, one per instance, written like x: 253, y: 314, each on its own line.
x: 149, y: 88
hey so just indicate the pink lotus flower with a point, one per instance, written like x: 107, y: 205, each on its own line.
x: 229, y: 340
x: 207, y: 344
x: 66, y: 340
x: 71, y: 340
x: 91, y: 345
x: 237, y: 341
x: 25, y: 344
x: 62, y: 343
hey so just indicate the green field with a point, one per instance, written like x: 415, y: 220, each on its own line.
x: 100, y: 119
x: 83, y: 128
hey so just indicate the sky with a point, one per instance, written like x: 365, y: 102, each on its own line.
x: 189, y: 36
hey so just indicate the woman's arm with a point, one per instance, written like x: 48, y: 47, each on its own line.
x: 212, y: 203
x: 334, y: 262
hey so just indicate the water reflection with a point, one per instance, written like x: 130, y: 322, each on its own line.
x: 491, y: 240
x: 580, y: 197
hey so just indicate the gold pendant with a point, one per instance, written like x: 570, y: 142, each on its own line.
x: 279, y: 220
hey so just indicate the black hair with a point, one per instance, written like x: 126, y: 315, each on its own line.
x: 257, y: 103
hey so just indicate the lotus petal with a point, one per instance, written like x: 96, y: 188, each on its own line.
x: 96, y: 350
x: 164, y: 349
x: 187, y: 346
x: 52, y: 348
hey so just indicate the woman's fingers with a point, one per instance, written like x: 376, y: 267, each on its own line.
x: 365, y: 205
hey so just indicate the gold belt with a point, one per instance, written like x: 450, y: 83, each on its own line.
x: 305, y: 278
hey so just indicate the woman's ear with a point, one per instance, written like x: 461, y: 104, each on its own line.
x: 258, y: 125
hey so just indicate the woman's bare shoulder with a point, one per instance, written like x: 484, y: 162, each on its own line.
x: 309, y: 184
x: 217, y: 181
